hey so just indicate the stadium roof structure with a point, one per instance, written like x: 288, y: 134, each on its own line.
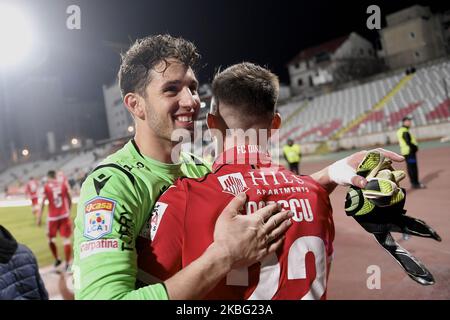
x: 329, y: 47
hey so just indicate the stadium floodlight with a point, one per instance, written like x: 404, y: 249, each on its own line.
x: 25, y: 152
x: 130, y: 129
x: 74, y: 141
x: 16, y: 36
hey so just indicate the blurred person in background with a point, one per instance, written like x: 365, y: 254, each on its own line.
x: 59, y: 205
x: 32, y: 193
x: 409, y: 148
x: 19, y: 271
x: 292, y: 154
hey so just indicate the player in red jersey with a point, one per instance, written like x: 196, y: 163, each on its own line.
x: 32, y: 192
x: 183, y: 220
x: 59, y: 205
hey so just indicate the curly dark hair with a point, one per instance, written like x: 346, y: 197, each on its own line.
x: 146, y: 53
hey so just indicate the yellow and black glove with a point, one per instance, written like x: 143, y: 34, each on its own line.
x: 378, y: 208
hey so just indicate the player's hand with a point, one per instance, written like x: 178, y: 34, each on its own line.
x: 378, y: 208
x: 249, y: 238
x: 343, y: 172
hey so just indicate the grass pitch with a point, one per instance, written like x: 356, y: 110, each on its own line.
x: 21, y: 223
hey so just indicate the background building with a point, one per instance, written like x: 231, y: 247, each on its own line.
x: 39, y: 118
x: 336, y: 61
x: 119, y: 119
x: 38, y: 108
x: 445, y: 19
x: 414, y: 35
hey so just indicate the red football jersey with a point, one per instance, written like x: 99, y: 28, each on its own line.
x: 58, y: 203
x: 32, y: 189
x: 183, y: 221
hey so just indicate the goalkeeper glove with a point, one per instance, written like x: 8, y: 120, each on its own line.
x: 378, y: 208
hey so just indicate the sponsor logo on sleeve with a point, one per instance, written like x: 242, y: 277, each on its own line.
x: 98, y: 217
x: 145, y: 232
x: 89, y: 248
x: 155, y: 220
x: 233, y: 183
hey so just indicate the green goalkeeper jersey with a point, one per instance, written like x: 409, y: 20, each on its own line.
x: 116, y: 201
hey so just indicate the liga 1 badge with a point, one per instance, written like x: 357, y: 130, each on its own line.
x: 98, y: 217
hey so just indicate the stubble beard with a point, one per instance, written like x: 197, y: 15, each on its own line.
x: 162, y: 128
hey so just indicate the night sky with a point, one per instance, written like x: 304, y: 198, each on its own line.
x: 269, y: 33
x: 226, y: 32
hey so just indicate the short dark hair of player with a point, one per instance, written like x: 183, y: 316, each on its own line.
x: 250, y: 87
x: 51, y: 174
x: 146, y: 53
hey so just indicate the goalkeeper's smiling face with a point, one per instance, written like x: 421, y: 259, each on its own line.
x: 172, y: 100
